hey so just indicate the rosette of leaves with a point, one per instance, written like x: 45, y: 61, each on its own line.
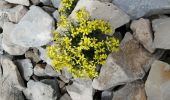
x: 84, y: 46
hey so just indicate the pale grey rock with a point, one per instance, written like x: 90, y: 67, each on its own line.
x: 39, y: 91
x: 1, y: 48
x: 48, y: 9
x: 5, y: 5
x: 106, y: 11
x: 45, y: 70
x: 130, y: 63
x: 65, y: 97
x: 107, y: 95
x: 56, y: 3
x: 34, y: 29
x: 26, y: 68
x: 3, y: 17
x: 80, y: 89
x: 21, y: 2
x: 131, y: 91
x: 11, y: 83
x: 158, y: 82
x: 15, y: 14
x: 7, y: 44
x: 140, y: 8
x: 142, y: 32
x: 56, y: 15
x: 44, y: 56
x: 162, y: 33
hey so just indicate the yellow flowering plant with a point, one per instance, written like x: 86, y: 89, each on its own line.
x: 84, y: 46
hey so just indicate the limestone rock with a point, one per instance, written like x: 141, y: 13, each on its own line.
x: 56, y: 3
x: 34, y: 29
x: 4, y: 5
x: 21, y: 2
x: 81, y: 90
x: 130, y: 63
x: 131, y: 91
x: 143, y: 33
x: 65, y: 97
x: 11, y: 83
x: 158, y: 82
x: 106, y: 11
x: 26, y: 68
x: 39, y: 91
x: 44, y: 56
x: 7, y: 44
x: 162, y: 33
x: 140, y: 8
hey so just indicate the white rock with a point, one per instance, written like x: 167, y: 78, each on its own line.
x: 162, y: 33
x: 143, y: 33
x: 65, y: 97
x: 26, y: 68
x: 8, y: 46
x: 106, y: 11
x: 35, y: 2
x: 44, y: 56
x: 49, y: 71
x: 81, y: 90
x: 11, y: 83
x: 22, y: 2
x: 39, y: 91
x: 34, y: 29
x: 158, y: 82
x: 15, y: 14
x: 56, y: 3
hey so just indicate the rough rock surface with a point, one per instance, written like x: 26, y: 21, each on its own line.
x: 81, y: 90
x: 131, y: 91
x: 26, y: 68
x: 4, y: 5
x: 140, y: 8
x: 107, y: 11
x: 157, y: 85
x: 22, y: 2
x: 162, y: 33
x: 39, y: 91
x: 143, y: 33
x: 11, y: 83
x: 7, y: 44
x: 34, y: 29
x: 129, y: 64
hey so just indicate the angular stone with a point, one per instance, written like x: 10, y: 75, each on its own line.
x: 157, y: 85
x: 65, y: 97
x: 106, y: 11
x: 39, y: 91
x: 26, y: 68
x: 131, y: 91
x: 162, y: 33
x: 35, y: 2
x: 46, y: 2
x: 33, y: 55
x: 130, y: 63
x: 81, y: 89
x: 34, y: 29
x: 11, y: 83
x: 56, y: 3
x: 56, y: 15
x: 44, y: 56
x: 140, y: 8
x: 4, y: 5
x: 15, y: 14
x: 7, y: 44
x: 142, y: 32
x: 21, y: 2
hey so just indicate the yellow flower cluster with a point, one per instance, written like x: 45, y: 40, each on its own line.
x: 85, y: 46
x: 67, y: 6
